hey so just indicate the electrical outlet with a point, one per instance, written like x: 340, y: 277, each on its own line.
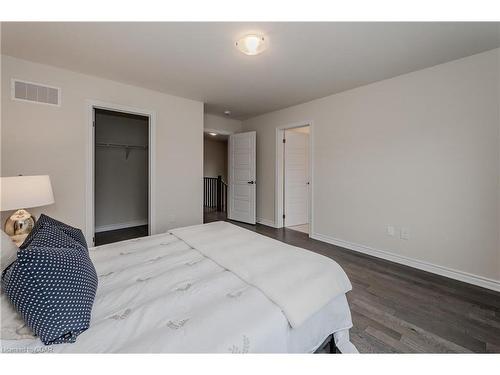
x: 391, y: 231
x: 405, y: 233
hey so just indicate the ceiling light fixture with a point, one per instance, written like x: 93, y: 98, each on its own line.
x: 227, y: 113
x: 212, y: 134
x: 251, y: 44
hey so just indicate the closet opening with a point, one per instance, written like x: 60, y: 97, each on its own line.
x: 121, y: 176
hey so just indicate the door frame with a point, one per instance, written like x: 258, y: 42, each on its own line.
x: 91, y: 106
x: 279, y: 168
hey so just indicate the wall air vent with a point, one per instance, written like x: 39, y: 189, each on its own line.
x: 35, y: 93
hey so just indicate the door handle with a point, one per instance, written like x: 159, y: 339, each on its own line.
x: 308, y: 183
x: 251, y: 182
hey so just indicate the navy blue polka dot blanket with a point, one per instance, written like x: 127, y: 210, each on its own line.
x: 53, y: 282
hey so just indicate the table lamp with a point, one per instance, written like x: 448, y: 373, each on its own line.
x: 20, y: 192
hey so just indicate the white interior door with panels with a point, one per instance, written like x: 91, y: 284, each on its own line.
x: 242, y: 182
x: 296, y: 178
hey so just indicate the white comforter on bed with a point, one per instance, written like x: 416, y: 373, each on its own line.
x: 159, y: 295
x: 300, y: 282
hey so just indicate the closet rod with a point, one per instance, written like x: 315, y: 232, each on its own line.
x: 119, y: 145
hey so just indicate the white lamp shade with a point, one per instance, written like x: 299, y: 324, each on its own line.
x: 25, y: 192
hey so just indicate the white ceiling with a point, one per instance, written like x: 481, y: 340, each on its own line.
x: 303, y: 61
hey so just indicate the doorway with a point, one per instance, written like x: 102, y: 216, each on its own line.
x: 119, y: 191
x: 215, y: 176
x: 293, y: 183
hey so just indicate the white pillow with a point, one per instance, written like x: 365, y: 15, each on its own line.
x: 13, y: 326
x: 8, y: 251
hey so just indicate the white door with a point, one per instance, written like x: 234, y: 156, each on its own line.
x: 296, y: 191
x: 241, y: 166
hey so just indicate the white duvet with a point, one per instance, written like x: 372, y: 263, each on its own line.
x: 159, y: 295
x: 300, y: 282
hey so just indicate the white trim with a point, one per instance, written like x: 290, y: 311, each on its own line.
x: 266, y: 222
x: 415, y: 263
x: 13, y: 92
x: 229, y: 177
x: 278, y: 178
x: 89, y: 181
x: 129, y: 224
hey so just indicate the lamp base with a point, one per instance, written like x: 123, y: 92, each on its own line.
x: 20, y: 222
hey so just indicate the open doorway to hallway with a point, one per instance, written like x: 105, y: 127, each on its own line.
x: 215, y: 176
x: 296, y: 178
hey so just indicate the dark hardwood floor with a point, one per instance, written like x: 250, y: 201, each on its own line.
x: 110, y: 236
x: 399, y: 309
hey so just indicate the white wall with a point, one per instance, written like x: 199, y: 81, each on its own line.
x: 39, y: 139
x: 121, y: 182
x: 419, y: 151
x: 226, y: 125
x: 215, y: 158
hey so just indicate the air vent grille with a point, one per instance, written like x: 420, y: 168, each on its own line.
x: 35, y: 92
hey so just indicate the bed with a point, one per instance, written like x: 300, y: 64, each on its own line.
x: 178, y: 293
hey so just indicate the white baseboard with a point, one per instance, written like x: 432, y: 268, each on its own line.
x: 425, y: 266
x: 269, y: 223
x: 128, y: 224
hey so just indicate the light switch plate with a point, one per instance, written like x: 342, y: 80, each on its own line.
x: 391, y: 231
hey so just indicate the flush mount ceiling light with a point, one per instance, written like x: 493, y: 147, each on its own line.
x: 227, y: 113
x: 251, y: 44
x: 212, y: 134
